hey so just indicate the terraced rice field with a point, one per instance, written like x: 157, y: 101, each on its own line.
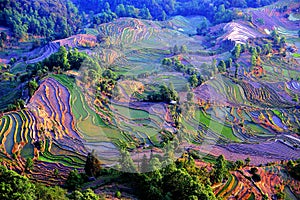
x: 16, y: 132
x: 129, y: 123
x: 131, y: 31
x: 47, y: 119
x: 232, y: 91
x: 217, y: 127
x: 227, y: 188
x: 88, y: 122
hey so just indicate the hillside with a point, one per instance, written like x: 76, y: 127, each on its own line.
x: 51, y: 19
x: 192, y: 106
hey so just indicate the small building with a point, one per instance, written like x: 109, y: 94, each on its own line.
x: 173, y: 102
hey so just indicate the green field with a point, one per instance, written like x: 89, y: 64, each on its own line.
x: 93, y: 128
x: 296, y: 55
x: 217, y: 127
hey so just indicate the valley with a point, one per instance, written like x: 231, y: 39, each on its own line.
x: 163, y: 91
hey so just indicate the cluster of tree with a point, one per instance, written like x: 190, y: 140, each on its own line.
x: 215, y: 10
x: 255, y: 176
x: 202, y: 27
x: 61, y: 61
x: 156, y: 177
x: 164, y: 94
x: 178, y: 50
x: 196, y: 78
x: 105, y: 10
x: 161, y: 177
x: 32, y: 86
x: 262, y: 48
x: 107, y: 15
x: 294, y: 170
x: 177, y: 65
x: 92, y: 166
x: 17, y: 105
x: 279, y: 42
x: 64, y: 60
x: 60, y: 19
x: 180, y: 180
x: 3, y: 39
x: 106, y: 84
x: 51, y: 18
x: 15, y: 186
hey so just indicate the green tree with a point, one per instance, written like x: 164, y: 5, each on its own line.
x: 274, y: 33
x: 236, y: 73
x: 220, y: 170
x: 62, y: 58
x: 256, y: 177
x: 33, y: 86
x: 120, y: 10
x: 237, y: 51
x: 154, y: 164
x: 76, y: 58
x: 253, y: 170
x: 20, y: 104
x: 3, y: 36
x: 280, y: 195
x: 282, y: 41
x: 92, y: 165
x: 239, y: 164
x: 164, y: 16
x: 258, y: 50
x: 118, y: 194
x: 126, y: 162
x: 15, y: 187
x: 193, y: 80
x: 145, y: 13
x: 202, y: 28
x: 222, y: 66
x: 295, y: 172
x: 229, y: 63
x: 83, y: 195
x: 190, y: 96
x: 181, y: 185
x: 253, y: 60
x: 176, y: 50
x: 144, y: 164
x: 29, y: 164
x: 56, y: 172
x: 50, y: 193
x: 183, y: 49
x: 167, y: 61
x: 107, y: 7
x: 74, y: 180
x: 247, y: 161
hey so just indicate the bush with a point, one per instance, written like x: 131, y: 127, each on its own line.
x: 253, y: 170
x: 118, y: 194
x: 280, y: 195
x: 295, y: 172
x: 14, y: 186
x: 256, y: 178
x: 74, y: 180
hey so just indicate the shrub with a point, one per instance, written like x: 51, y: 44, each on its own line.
x: 253, y: 170
x: 256, y: 178
x: 295, y: 172
x: 118, y: 194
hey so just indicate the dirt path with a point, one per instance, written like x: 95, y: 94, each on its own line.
x: 48, y: 51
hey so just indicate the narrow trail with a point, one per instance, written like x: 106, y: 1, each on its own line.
x: 49, y: 49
